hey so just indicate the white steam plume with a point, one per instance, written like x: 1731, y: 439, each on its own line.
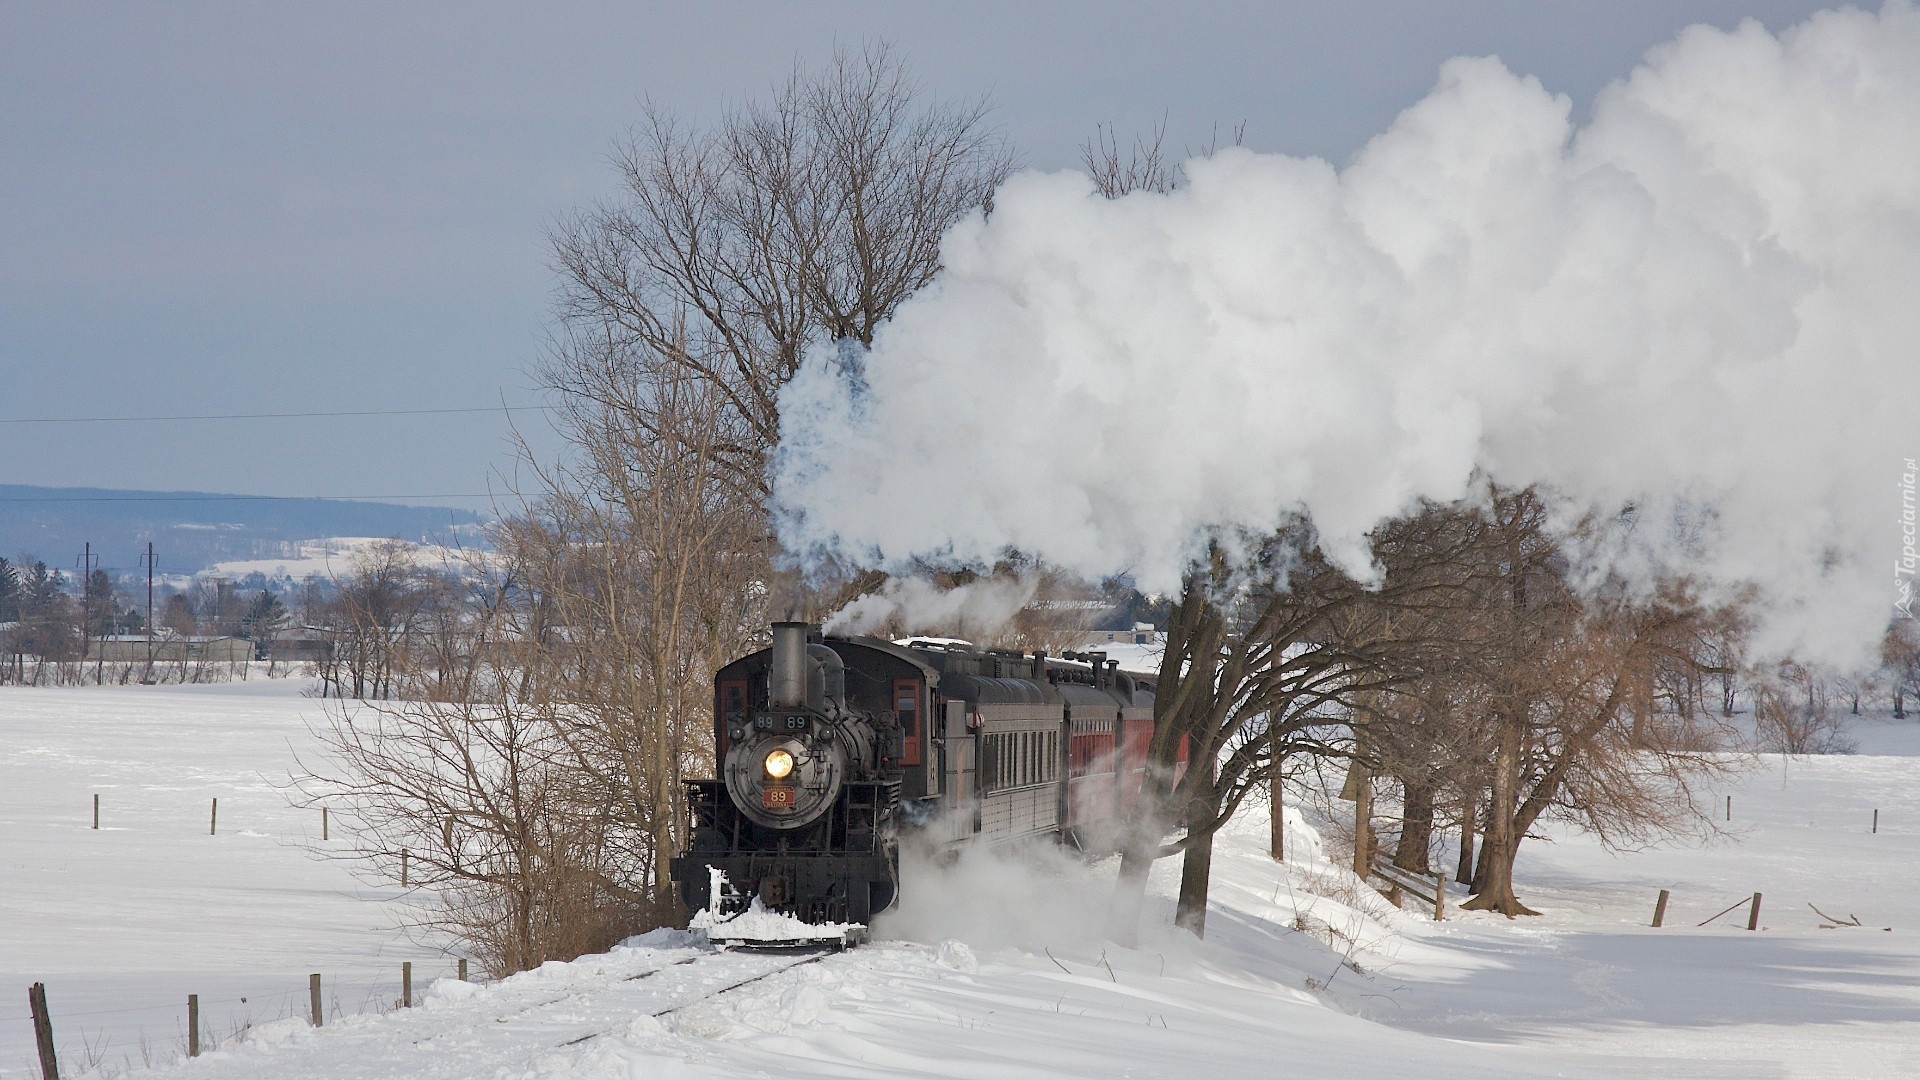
x: 1709, y: 295
x: 915, y: 605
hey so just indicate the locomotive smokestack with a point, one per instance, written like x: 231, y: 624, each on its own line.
x: 787, y: 682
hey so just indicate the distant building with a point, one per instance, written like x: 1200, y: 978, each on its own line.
x: 1140, y: 633
x: 299, y: 644
x: 171, y: 648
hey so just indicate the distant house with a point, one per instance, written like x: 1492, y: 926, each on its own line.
x: 1139, y: 633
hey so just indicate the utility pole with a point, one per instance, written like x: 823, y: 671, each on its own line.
x: 87, y: 560
x: 148, y: 677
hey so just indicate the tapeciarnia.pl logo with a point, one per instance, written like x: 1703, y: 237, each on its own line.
x: 1904, y: 566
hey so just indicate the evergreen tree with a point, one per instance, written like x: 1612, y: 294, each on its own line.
x: 264, y: 615
x: 98, y: 603
x: 9, y: 591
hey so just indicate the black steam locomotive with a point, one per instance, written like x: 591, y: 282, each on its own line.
x: 833, y: 750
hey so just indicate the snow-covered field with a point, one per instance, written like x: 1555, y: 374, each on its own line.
x: 990, y: 971
x: 333, y: 557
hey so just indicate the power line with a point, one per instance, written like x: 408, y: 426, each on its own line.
x: 227, y: 498
x: 264, y: 416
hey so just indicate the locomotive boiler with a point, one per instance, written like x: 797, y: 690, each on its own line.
x: 833, y: 750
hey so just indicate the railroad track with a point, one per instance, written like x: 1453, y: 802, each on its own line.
x: 709, y: 995
x: 564, y: 998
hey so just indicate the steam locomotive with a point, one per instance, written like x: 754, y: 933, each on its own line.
x: 832, y: 751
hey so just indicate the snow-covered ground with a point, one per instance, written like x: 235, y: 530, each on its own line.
x: 333, y: 557
x: 124, y: 922
x: 995, y: 968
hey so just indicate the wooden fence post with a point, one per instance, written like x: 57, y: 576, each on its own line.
x: 323, y: 823
x: 463, y: 969
x: 213, y: 819
x: 96, y: 810
x: 1439, y: 896
x: 43, y: 1031
x: 1660, y: 908
x: 1753, y: 915
x: 1729, y: 808
x: 406, y: 984
x: 193, y: 1025
x: 403, y: 868
x: 1876, y: 821
x: 313, y: 999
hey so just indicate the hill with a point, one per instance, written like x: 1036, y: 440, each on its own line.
x: 191, y: 530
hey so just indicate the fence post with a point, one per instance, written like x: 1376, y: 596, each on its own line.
x: 403, y: 868
x: 1660, y: 908
x: 406, y: 984
x: 193, y: 1025
x: 323, y: 823
x: 1876, y: 821
x: 1439, y: 896
x: 313, y: 999
x: 213, y: 819
x: 1729, y: 808
x: 96, y: 810
x: 463, y: 969
x: 43, y: 1031
x: 1753, y: 915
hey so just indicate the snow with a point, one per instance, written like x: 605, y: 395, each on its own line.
x: 124, y: 922
x: 996, y: 966
x: 333, y: 556
x: 758, y: 924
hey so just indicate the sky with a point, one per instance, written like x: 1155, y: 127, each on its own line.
x: 211, y: 209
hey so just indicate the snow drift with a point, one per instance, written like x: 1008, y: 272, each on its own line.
x: 1700, y: 300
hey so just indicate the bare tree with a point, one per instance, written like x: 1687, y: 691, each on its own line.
x: 1900, y: 658
x: 646, y: 567
x: 375, y: 612
x: 1560, y: 663
x: 475, y: 804
x: 1793, y: 713
x: 1264, y: 656
x: 642, y: 560
x: 1145, y: 164
x: 801, y: 220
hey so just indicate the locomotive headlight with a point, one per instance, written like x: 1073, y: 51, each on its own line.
x: 779, y: 764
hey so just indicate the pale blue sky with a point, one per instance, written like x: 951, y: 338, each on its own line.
x: 249, y: 207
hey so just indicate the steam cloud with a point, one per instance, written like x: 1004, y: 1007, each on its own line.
x: 914, y: 605
x: 1707, y: 296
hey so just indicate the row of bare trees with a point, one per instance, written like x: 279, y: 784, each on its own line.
x: 1484, y: 676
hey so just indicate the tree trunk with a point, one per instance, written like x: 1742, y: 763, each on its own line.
x: 1276, y: 820
x: 1493, y: 881
x: 1416, y: 828
x: 1362, y: 820
x: 1196, y: 870
x: 1129, y: 895
x: 1463, y: 870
